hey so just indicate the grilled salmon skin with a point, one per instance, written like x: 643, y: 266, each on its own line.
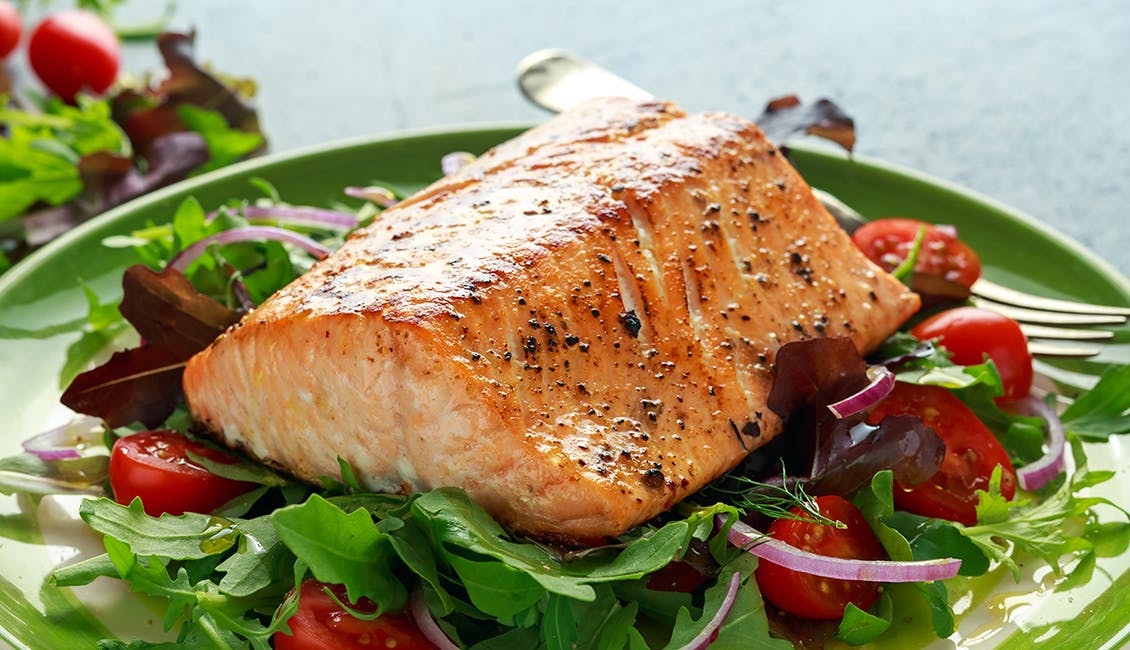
x: 578, y: 329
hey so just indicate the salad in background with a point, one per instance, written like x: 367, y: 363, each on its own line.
x: 94, y: 139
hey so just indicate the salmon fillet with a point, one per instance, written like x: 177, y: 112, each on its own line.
x: 578, y: 329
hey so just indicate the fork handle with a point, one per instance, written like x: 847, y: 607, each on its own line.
x: 558, y: 80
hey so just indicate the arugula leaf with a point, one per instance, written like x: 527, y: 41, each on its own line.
x: 858, y: 627
x: 84, y: 572
x: 604, y: 622
x: 747, y: 625
x: 559, y: 628
x: 617, y: 625
x: 937, y: 599
x: 457, y: 524
x: 183, y: 537
x: 242, y: 471
x: 908, y: 537
x: 495, y: 588
x: 261, y: 563
x: 454, y: 521
x: 343, y: 548
x: 933, y: 539
x: 103, y: 325
x: 876, y: 505
x: 922, y: 362
x: 149, y: 576
x: 510, y: 639
x: 1103, y: 410
x: 414, y: 549
x: 1036, y: 527
x: 662, y: 606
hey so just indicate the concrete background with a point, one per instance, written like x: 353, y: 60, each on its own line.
x: 1026, y: 102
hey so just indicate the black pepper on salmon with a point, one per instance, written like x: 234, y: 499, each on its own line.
x: 578, y: 329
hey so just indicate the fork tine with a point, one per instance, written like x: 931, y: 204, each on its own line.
x: 1064, y: 334
x: 1041, y: 317
x: 993, y: 291
x: 1063, y: 351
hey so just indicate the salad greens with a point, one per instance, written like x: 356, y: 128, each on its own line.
x: 63, y: 164
x: 228, y: 577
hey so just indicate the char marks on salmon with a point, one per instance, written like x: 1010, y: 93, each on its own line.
x: 578, y: 329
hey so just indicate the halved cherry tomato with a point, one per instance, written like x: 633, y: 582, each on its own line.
x: 970, y: 333
x: 321, y: 624
x: 154, y: 465
x: 10, y: 28
x: 888, y: 242
x: 810, y: 596
x: 972, y: 452
x: 73, y: 50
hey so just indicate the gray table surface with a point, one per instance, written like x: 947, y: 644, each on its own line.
x: 1026, y: 102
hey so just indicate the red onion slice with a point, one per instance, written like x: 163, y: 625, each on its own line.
x: 296, y: 214
x: 63, y: 442
x: 426, y: 623
x: 754, y: 541
x: 1036, y: 475
x: 382, y: 196
x: 248, y: 233
x: 455, y: 161
x: 882, y: 381
x: 710, y: 632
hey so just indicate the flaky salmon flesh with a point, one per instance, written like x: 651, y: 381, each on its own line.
x: 578, y: 329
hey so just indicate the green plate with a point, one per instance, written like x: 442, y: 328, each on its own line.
x: 42, y: 306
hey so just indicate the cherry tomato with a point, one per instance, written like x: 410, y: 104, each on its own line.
x: 804, y: 594
x: 888, y: 242
x: 74, y: 50
x: 321, y: 624
x: 970, y: 333
x: 10, y: 28
x: 972, y: 452
x: 154, y: 465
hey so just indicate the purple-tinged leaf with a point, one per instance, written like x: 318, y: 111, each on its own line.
x: 144, y: 384
x: 786, y: 117
x: 840, y: 455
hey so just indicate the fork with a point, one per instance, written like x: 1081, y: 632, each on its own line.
x: 557, y: 80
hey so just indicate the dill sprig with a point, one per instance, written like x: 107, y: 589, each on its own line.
x: 772, y: 500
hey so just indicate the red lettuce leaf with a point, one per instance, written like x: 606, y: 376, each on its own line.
x: 144, y: 384
x: 787, y: 117
x: 111, y: 180
x: 168, y: 312
x: 138, y: 385
x: 840, y: 455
